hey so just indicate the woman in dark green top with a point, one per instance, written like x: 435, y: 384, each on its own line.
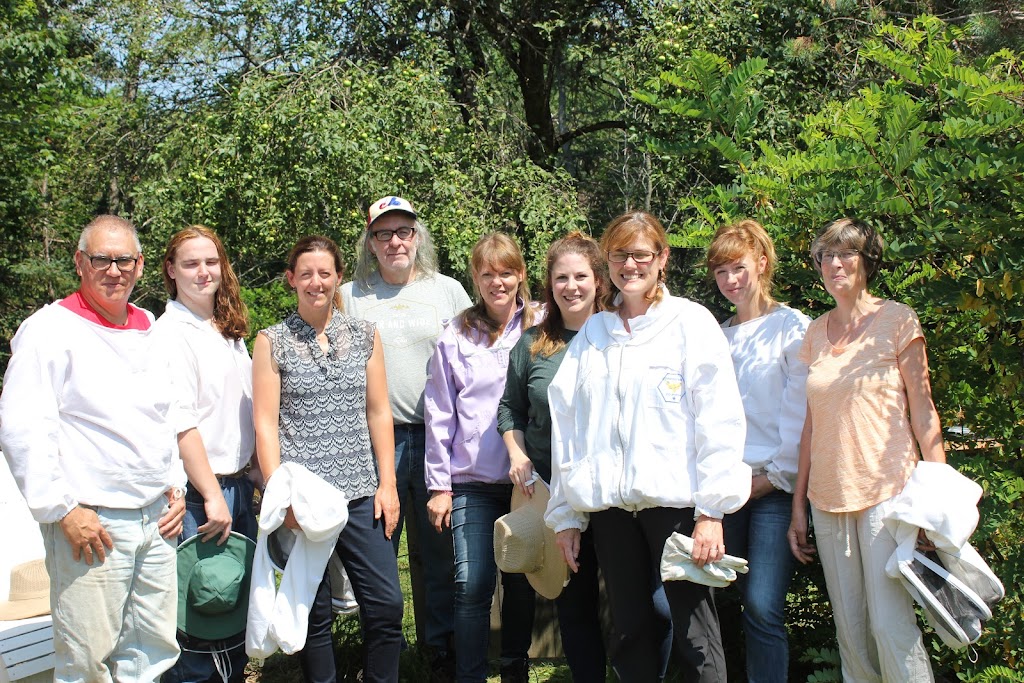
x: 577, y: 280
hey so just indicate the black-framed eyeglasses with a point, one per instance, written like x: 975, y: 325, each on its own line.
x: 125, y: 264
x: 844, y: 255
x: 386, y: 235
x: 639, y: 256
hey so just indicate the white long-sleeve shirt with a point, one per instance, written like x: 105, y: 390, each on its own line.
x: 212, y: 383
x: 647, y: 418
x: 772, y: 380
x: 85, y: 415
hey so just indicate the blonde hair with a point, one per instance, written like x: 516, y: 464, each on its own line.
x: 626, y: 229
x: 733, y: 242
x: 495, y: 249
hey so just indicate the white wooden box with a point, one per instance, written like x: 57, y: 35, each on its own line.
x: 26, y: 648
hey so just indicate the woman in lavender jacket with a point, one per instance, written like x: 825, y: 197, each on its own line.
x: 467, y: 463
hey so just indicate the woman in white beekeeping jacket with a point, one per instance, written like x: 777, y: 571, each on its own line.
x: 647, y: 440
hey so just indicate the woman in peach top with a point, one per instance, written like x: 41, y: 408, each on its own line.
x: 870, y: 417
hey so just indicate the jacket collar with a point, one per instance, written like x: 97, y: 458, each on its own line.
x: 607, y: 329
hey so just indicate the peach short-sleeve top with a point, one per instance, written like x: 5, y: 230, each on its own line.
x: 862, y: 446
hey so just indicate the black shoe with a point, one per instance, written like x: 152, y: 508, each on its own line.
x: 517, y: 671
x: 442, y: 667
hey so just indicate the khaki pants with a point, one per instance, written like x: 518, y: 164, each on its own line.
x: 879, y: 639
x: 115, y: 620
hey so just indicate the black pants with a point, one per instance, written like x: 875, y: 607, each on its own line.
x: 629, y: 548
x: 372, y: 568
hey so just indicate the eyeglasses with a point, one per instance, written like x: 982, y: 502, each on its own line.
x: 639, y: 256
x: 125, y: 264
x: 386, y: 235
x: 846, y: 256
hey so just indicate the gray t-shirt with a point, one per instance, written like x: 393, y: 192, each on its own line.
x: 322, y: 423
x: 410, y: 319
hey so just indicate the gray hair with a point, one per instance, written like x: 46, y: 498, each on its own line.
x: 425, y: 264
x: 850, y: 233
x: 108, y: 222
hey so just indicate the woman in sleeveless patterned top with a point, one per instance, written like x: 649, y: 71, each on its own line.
x: 320, y: 400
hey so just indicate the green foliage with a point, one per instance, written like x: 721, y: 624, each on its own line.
x: 722, y: 97
x: 293, y: 154
x: 998, y: 674
x: 930, y: 150
x: 42, y: 88
x: 830, y: 673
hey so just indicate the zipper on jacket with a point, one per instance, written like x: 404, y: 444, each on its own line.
x: 622, y: 441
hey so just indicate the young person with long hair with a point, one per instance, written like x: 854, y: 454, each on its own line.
x: 467, y: 464
x: 764, y: 339
x: 202, y: 331
x: 576, y: 287
x: 321, y: 400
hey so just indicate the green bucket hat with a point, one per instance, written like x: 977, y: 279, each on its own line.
x: 213, y: 586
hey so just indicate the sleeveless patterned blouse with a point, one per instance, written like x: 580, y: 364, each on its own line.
x: 322, y: 423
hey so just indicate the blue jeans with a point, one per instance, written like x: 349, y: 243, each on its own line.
x: 114, y: 620
x: 430, y: 553
x: 370, y: 562
x: 196, y: 665
x: 758, y: 533
x: 475, y: 508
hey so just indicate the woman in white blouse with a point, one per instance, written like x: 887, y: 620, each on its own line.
x: 646, y: 441
x: 764, y: 339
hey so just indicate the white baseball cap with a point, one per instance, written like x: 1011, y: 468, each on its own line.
x: 385, y: 204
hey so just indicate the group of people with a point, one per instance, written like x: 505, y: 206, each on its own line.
x: 633, y: 411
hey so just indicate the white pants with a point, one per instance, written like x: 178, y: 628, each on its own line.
x: 115, y: 620
x: 879, y: 639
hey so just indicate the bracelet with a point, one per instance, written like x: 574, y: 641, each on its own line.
x: 447, y: 493
x: 61, y: 518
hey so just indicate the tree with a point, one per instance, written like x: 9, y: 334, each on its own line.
x: 931, y: 152
x: 291, y: 154
x: 43, y: 88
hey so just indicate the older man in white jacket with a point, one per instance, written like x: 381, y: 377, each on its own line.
x: 85, y: 427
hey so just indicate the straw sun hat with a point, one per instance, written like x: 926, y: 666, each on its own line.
x: 524, y: 544
x: 30, y: 592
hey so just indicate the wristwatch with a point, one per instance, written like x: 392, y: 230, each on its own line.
x: 177, y: 493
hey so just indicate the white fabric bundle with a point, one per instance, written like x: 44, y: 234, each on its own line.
x: 677, y: 564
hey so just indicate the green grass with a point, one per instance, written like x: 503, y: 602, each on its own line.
x: 809, y: 620
x: 413, y: 665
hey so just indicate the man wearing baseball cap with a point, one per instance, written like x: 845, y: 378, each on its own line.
x: 397, y: 286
